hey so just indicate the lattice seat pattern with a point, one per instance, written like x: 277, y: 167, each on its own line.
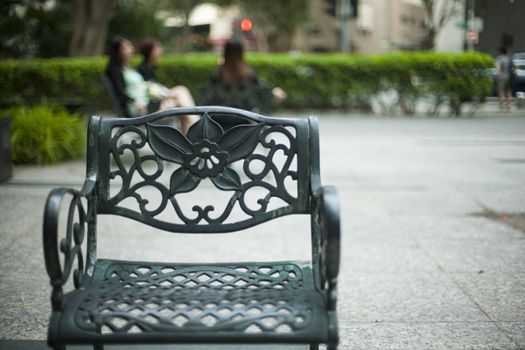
x: 223, y: 301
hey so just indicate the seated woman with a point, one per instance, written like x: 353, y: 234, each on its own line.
x: 233, y: 70
x: 151, y: 49
x: 235, y: 84
x: 132, y: 90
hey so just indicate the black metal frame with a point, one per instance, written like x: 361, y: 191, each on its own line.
x: 257, y: 98
x: 133, y: 302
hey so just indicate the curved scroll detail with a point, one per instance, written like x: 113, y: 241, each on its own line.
x: 206, y: 152
x: 70, y: 246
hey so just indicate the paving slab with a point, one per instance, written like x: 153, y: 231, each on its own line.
x: 41, y: 345
x: 456, y: 228
x: 516, y: 331
x: 501, y: 256
x: 387, y: 256
x: 405, y: 296
x: 500, y: 295
x: 434, y: 335
x: 418, y: 270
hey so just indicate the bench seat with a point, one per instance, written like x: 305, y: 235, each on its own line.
x: 231, y: 302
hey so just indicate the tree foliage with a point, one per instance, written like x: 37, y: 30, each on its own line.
x: 30, y: 28
x: 136, y: 20
x: 183, y: 9
x: 275, y: 20
x: 437, y: 14
x: 46, y: 28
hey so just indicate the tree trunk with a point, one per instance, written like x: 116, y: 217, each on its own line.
x: 428, y: 41
x: 91, y: 27
x: 187, y: 8
x: 279, y: 42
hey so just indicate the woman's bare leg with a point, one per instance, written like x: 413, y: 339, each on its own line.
x: 509, y: 100
x: 180, y: 96
x: 184, y: 99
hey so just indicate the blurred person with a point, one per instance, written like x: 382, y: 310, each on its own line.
x: 235, y: 84
x: 233, y: 71
x: 503, y: 79
x: 150, y: 49
x: 132, y: 90
x: 179, y: 96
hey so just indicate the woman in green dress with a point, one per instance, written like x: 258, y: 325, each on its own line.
x: 132, y: 90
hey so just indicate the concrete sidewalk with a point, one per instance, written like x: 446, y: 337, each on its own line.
x: 419, y: 269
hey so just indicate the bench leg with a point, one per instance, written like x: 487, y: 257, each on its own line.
x: 314, y: 346
x: 98, y: 347
x: 331, y: 347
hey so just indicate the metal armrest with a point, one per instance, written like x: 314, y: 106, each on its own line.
x: 71, y: 244
x: 328, y: 212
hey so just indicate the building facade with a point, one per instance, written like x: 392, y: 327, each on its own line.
x: 380, y: 26
x: 503, y: 25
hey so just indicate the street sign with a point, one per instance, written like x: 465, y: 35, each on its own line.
x: 462, y: 25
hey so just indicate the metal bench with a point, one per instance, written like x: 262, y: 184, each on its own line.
x: 134, y: 302
x: 257, y: 98
x: 121, y: 110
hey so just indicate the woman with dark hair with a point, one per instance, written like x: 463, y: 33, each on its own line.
x: 233, y: 69
x: 131, y: 89
x: 128, y: 85
x: 241, y: 86
x: 150, y: 49
x: 179, y: 96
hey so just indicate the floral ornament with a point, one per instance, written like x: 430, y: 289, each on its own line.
x: 204, y: 152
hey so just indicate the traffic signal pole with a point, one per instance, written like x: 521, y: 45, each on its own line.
x: 345, y: 11
x: 471, y: 23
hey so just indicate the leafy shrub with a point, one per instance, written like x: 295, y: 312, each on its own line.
x: 310, y: 80
x: 45, y: 134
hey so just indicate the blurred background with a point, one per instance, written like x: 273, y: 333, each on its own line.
x: 429, y: 170
x: 366, y: 57
x: 51, y: 28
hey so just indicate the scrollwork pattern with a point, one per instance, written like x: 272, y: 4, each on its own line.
x: 205, y: 153
x: 70, y: 246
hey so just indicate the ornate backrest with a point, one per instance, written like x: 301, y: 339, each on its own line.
x: 209, y: 180
x: 249, y: 96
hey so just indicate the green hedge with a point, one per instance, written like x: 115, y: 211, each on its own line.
x: 311, y: 80
x: 46, y: 134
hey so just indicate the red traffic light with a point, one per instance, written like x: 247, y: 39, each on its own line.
x: 246, y: 25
